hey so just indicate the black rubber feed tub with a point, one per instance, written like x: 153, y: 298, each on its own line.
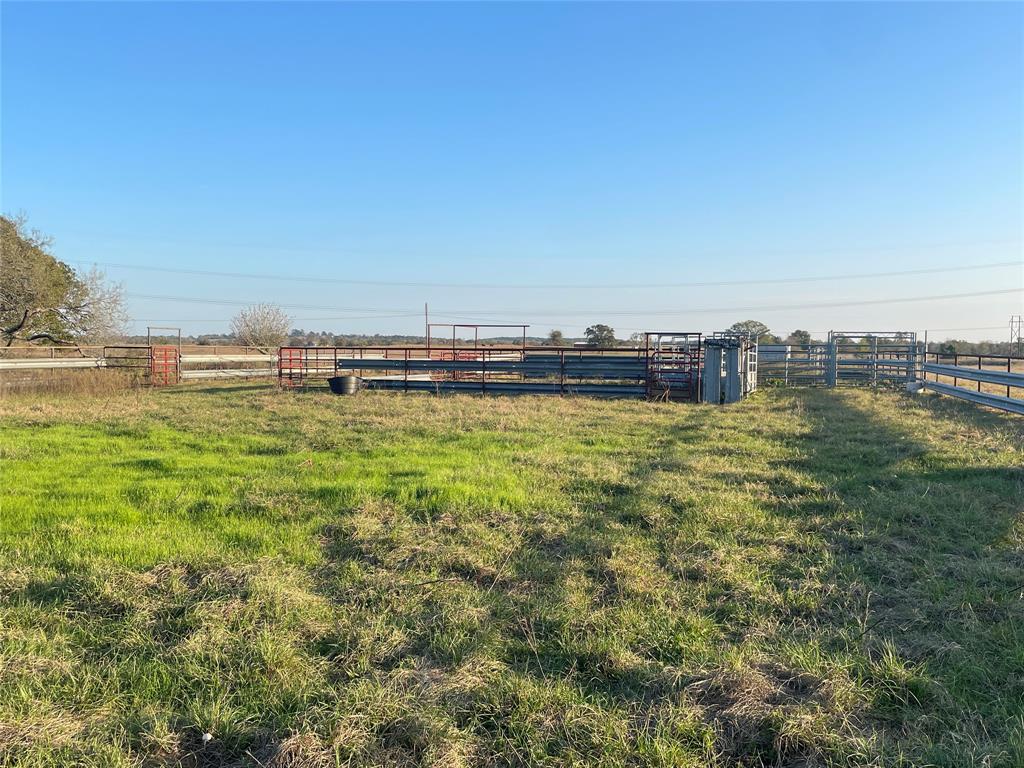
x: 344, y: 385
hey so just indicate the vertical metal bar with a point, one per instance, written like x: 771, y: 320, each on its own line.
x: 874, y: 362
x: 648, y: 374
x: 1008, y: 371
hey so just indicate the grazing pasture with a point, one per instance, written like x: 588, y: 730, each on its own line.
x: 808, y: 577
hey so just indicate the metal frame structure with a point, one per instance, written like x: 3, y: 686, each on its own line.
x: 476, y: 330
x: 730, y: 367
x: 673, y: 364
x: 151, y: 328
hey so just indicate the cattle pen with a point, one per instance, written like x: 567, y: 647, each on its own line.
x: 669, y: 365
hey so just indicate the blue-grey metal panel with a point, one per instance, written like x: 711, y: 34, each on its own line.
x: 982, y: 398
x: 607, y: 368
x: 510, y: 388
x: 733, y: 385
x: 711, y: 381
x: 1003, y: 378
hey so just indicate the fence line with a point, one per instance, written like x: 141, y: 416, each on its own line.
x: 1012, y: 382
x: 1005, y: 403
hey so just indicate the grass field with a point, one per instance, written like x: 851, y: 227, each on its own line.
x: 809, y: 577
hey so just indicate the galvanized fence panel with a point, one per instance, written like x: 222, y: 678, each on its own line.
x: 985, y: 385
x: 799, y: 365
x: 862, y: 358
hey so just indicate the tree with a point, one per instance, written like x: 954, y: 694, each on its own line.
x: 800, y: 337
x: 600, y: 335
x: 555, y: 338
x: 42, y: 299
x: 752, y: 329
x: 261, y: 325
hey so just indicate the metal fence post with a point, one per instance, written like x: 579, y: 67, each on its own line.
x: 833, y: 365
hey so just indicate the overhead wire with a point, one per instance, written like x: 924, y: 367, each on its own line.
x: 580, y: 286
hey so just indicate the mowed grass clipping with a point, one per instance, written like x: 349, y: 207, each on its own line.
x: 809, y: 577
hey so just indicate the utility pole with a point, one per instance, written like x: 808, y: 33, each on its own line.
x: 426, y: 326
x: 1017, y: 332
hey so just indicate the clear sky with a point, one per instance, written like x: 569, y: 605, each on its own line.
x: 549, y: 155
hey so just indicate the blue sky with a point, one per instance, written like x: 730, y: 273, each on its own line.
x: 523, y: 148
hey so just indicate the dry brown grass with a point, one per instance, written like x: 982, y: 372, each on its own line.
x: 92, y: 382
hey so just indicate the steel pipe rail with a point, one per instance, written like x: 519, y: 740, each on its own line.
x: 511, y: 388
x: 1002, y: 378
x: 42, y: 363
x: 1001, y: 402
x: 229, y: 373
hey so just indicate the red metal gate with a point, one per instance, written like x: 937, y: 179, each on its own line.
x: 164, y: 365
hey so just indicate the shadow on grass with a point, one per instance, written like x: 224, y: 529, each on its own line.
x: 910, y: 544
x: 893, y: 564
x: 205, y: 389
x: 924, y: 581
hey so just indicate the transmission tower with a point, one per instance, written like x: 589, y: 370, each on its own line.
x: 1017, y: 333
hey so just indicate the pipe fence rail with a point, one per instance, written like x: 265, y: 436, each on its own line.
x: 594, y: 371
x: 996, y: 381
x: 149, y: 364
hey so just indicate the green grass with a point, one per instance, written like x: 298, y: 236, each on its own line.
x: 805, y: 578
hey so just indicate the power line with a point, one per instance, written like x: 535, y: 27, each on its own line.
x: 614, y: 313
x: 695, y: 284
x: 228, y: 319
x: 748, y: 308
x: 238, y: 303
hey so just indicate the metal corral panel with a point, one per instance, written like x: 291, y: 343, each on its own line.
x: 1003, y: 378
x: 772, y: 353
x: 510, y: 388
x: 531, y: 373
x: 982, y: 398
x: 866, y: 357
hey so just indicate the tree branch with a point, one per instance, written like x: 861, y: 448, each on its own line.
x: 50, y: 337
x: 15, y: 328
